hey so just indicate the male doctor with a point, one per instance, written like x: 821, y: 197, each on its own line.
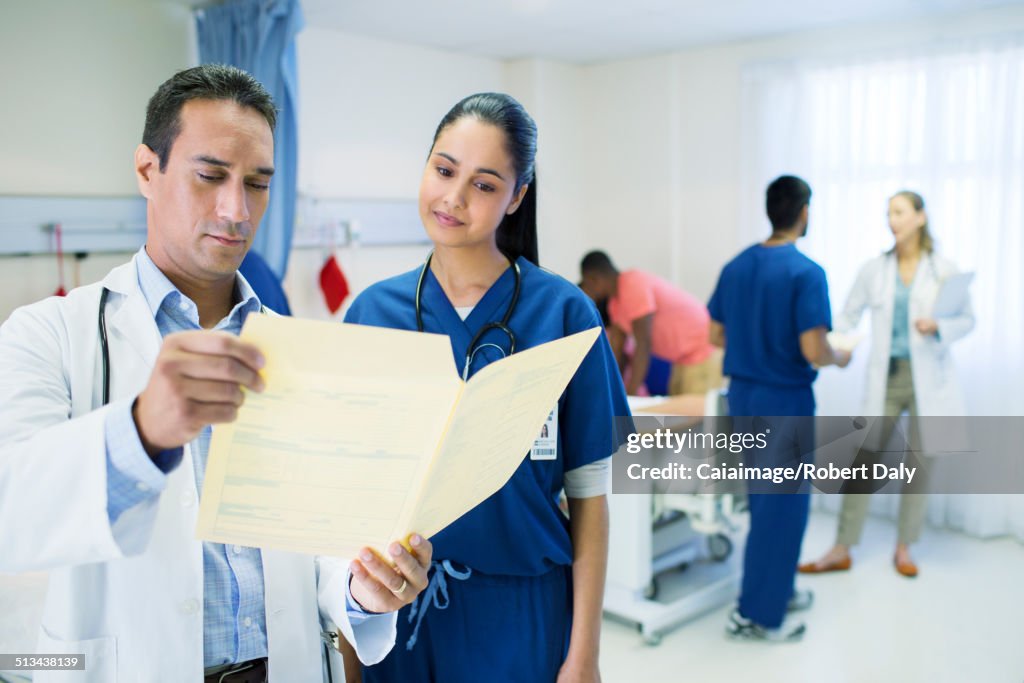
x: 105, y: 494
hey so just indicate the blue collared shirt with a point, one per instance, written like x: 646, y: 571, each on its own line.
x: 234, y: 617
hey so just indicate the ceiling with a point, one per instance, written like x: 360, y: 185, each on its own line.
x: 589, y: 31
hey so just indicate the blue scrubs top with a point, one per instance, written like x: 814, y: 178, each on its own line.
x: 519, y: 530
x: 766, y: 298
x: 264, y: 282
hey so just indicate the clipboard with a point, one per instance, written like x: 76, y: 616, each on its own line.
x: 953, y: 295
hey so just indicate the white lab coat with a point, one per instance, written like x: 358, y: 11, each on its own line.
x: 130, y: 596
x: 936, y: 387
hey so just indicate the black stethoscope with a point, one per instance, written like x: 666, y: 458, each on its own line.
x: 105, y: 346
x: 502, y: 325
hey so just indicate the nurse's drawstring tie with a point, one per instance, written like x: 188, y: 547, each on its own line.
x: 436, y: 593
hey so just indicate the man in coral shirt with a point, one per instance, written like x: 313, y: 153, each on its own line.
x: 665, y: 322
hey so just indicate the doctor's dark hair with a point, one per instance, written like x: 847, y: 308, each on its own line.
x: 597, y: 262
x: 917, y: 201
x: 517, y: 233
x: 785, y: 198
x: 205, y: 82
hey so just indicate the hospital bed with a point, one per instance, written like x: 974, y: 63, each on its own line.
x: 671, y: 551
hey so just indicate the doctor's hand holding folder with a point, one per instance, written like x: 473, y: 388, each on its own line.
x: 364, y: 434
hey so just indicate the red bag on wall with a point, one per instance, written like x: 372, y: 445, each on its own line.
x: 333, y: 284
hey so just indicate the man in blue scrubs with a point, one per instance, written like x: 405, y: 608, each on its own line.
x: 770, y: 311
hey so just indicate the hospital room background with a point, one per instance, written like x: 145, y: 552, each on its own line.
x: 660, y: 124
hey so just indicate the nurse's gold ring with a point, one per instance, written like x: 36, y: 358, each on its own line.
x: 401, y: 589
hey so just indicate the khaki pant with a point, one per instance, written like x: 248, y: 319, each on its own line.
x: 699, y: 378
x: 899, y: 398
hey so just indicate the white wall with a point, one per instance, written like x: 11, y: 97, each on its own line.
x: 74, y: 84
x: 639, y: 157
x: 691, y: 131
x: 679, y: 117
x: 74, y: 99
x: 367, y: 114
x: 75, y: 90
x: 554, y: 94
x: 630, y: 163
x: 368, y: 109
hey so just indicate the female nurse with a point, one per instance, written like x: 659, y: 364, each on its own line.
x: 910, y: 368
x: 516, y: 591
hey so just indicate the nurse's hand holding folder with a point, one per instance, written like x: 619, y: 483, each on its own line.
x: 387, y: 586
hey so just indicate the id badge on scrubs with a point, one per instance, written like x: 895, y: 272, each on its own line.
x: 545, y: 446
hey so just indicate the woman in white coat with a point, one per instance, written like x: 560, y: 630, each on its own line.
x: 910, y: 368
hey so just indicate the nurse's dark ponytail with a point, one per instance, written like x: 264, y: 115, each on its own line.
x: 517, y: 234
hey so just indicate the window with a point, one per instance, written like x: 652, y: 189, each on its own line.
x: 949, y: 125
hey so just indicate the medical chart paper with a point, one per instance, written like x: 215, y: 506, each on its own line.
x: 844, y: 341
x: 365, y: 435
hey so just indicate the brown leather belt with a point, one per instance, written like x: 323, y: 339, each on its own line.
x: 253, y: 671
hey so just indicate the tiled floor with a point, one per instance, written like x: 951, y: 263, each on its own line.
x: 960, y: 620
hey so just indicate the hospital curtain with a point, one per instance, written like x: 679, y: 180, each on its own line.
x: 948, y: 122
x: 259, y: 36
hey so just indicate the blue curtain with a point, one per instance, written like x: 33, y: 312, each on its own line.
x: 259, y: 36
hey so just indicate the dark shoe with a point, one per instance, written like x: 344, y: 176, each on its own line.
x: 741, y: 628
x: 801, y: 600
